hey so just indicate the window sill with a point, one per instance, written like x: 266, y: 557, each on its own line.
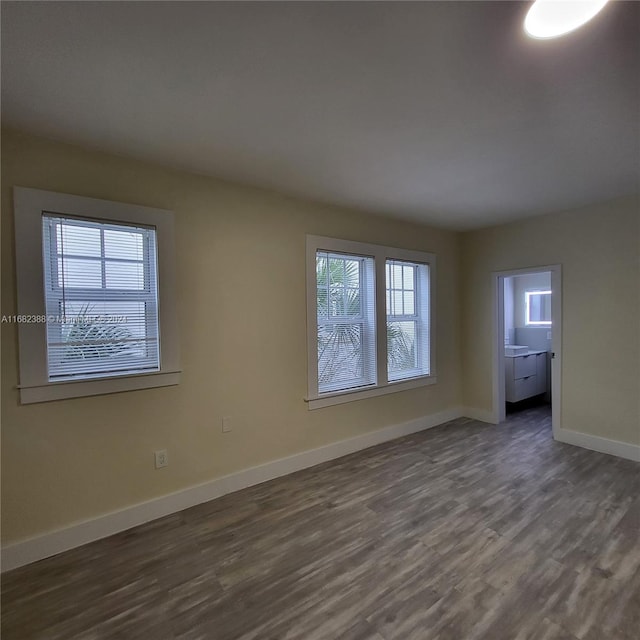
x: 100, y: 386
x: 341, y: 397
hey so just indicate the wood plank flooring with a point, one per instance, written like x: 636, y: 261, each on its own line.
x: 463, y: 532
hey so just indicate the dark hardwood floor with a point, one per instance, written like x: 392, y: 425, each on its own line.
x: 463, y: 532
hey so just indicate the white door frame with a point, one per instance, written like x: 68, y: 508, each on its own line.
x: 499, y: 392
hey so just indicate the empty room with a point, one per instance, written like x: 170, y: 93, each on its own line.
x: 320, y: 320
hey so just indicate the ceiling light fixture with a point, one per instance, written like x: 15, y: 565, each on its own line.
x: 553, y: 18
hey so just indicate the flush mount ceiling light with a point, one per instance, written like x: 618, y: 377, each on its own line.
x: 553, y: 18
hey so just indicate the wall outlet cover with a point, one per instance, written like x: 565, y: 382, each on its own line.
x: 161, y: 458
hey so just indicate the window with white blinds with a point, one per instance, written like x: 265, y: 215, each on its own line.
x: 96, y: 303
x: 346, y: 321
x: 407, y: 300
x: 101, y: 298
x: 369, y: 312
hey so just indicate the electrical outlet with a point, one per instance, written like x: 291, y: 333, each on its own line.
x: 226, y: 424
x: 548, y: 335
x: 162, y: 458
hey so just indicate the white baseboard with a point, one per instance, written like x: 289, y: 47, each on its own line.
x: 596, y: 443
x: 480, y: 414
x: 32, y: 549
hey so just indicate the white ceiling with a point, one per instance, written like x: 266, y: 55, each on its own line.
x: 442, y: 112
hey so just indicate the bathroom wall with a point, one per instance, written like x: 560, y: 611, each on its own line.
x: 536, y: 338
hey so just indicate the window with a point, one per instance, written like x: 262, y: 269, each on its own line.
x: 96, y: 311
x: 346, y: 321
x: 538, y: 308
x: 407, y: 319
x: 369, y: 320
x: 101, y: 298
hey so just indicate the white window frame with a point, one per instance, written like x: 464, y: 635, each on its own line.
x: 380, y: 254
x: 421, y: 301
x: 364, y: 319
x: 527, y: 298
x: 58, y: 294
x: 34, y: 386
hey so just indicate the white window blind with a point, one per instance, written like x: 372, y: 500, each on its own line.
x: 345, y: 303
x: 101, y: 298
x: 407, y: 300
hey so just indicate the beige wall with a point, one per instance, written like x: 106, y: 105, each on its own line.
x: 241, y: 254
x: 599, y: 250
x: 243, y: 336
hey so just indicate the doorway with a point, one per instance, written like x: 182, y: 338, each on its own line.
x: 527, y: 349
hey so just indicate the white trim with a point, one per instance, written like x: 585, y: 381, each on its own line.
x: 29, y: 204
x: 498, y: 380
x: 33, y: 549
x: 556, y: 348
x: 596, y: 443
x: 328, y: 400
x: 60, y: 390
x: 498, y: 409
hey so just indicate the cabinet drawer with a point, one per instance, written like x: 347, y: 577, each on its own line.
x: 524, y: 388
x: 524, y: 366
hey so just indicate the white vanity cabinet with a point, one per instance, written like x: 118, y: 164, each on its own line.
x: 525, y: 375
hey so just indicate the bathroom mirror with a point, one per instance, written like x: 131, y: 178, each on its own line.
x: 538, y: 307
